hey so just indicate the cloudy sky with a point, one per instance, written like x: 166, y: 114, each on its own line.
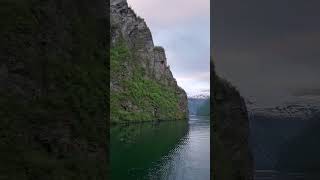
x: 269, y: 49
x: 182, y: 27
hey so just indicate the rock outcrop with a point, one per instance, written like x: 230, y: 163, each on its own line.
x: 230, y: 151
x: 52, y: 86
x: 142, y: 85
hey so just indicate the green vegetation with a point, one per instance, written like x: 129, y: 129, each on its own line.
x: 137, y: 97
x: 133, y: 146
x: 119, y: 55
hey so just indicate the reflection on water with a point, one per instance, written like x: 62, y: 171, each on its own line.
x: 285, y: 148
x: 168, y: 150
x: 276, y: 175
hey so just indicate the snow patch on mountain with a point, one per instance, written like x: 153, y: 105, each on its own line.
x: 299, y: 108
x: 199, y: 96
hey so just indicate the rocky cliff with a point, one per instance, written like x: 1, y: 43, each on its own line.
x: 142, y: 85
x: 230, y: 152
x: 52, y: 86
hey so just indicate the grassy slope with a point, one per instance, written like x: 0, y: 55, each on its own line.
x: 143, y: 93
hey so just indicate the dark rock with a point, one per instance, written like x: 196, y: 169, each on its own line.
x: 52, y: 86
x: 147, y: 64
x: 231, y: 156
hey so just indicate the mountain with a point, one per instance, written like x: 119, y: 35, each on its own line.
x: 231, y: 155
x: 196, y: 102
x: 302, y: 109
x: 204, y: 108
x: 199, y: 96
x: 142, y: 85
x: 199, y: 104
x: 52, y: 84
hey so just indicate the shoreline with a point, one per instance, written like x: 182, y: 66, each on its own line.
x: 128, y: 123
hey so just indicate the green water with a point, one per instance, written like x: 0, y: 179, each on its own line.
x: 174, y: 150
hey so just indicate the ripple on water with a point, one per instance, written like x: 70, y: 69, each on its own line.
x: 190, y: 159
x: 165, y: 151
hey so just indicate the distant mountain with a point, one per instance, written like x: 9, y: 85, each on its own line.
x: 194, y: 104
x: 204, y: 109
x: 199, y: 105
x: 302, y: 110
x: 199, y: 96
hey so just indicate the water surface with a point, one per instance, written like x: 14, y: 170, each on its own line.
x: 285, y: 148
x: 173, y: 150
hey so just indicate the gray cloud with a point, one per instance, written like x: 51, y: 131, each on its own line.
x: 268, y: 49
x: 161, y: 13
x: 183, y: 29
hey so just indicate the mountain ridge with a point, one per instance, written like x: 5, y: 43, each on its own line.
x: 294, y: 109
x: 199, y: 96
x: 142, y: 85
x: 230, y: 151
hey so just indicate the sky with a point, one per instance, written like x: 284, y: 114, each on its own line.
x: 269, y: 49
x: 182, y: 27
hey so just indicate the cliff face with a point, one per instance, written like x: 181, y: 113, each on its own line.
x: 142, y: 85
x: 52, y: 86
x: 231, y: 155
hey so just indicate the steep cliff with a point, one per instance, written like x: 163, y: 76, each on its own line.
x: 142, y: 85
x: 52, y: 86
x: 230, y: 152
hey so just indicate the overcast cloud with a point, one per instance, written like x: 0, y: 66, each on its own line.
x: 269, y: 49
x: 182, y: 27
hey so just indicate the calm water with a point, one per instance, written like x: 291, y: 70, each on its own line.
x: 163, y: 151
x: 276, y: 175
x: 285, y: 149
